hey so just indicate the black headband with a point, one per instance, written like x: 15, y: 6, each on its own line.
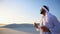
x: 46, y: 7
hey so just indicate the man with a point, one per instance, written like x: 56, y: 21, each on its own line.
x: 49, y: 24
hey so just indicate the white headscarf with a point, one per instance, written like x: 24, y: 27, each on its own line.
x: 45, y: 9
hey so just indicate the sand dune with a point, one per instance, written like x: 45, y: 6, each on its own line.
x: 10, y: 31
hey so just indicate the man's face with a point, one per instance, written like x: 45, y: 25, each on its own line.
x: 42, y: 11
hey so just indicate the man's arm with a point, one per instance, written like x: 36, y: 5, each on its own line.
x: 45, y: 29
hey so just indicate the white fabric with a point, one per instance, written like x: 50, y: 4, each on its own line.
x: 51, y: 22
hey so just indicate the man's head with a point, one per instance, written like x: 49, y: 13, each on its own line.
x: 44, y: 9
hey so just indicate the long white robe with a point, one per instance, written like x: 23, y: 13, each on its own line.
x: 43, y: 22
x: 51, y: 22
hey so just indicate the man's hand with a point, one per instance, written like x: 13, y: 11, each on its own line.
x: 35, y: 25
x: 45, y: 29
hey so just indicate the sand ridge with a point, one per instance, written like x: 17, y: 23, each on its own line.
x: 10, y: 31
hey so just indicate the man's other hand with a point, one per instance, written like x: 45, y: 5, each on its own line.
x: 35, y: 25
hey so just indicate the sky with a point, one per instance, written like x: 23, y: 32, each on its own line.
x: 26, y: 11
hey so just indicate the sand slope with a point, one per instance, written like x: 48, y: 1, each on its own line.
x: 10, y: 31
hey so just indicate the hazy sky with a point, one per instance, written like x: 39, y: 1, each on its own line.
x: 26, y: 11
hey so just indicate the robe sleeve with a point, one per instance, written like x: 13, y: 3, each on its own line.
x: 39, y: 26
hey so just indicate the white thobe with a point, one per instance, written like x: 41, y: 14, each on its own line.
x: 44, y: 20
x: 51, y: 22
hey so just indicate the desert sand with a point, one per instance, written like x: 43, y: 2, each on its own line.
x: 10, y: 31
